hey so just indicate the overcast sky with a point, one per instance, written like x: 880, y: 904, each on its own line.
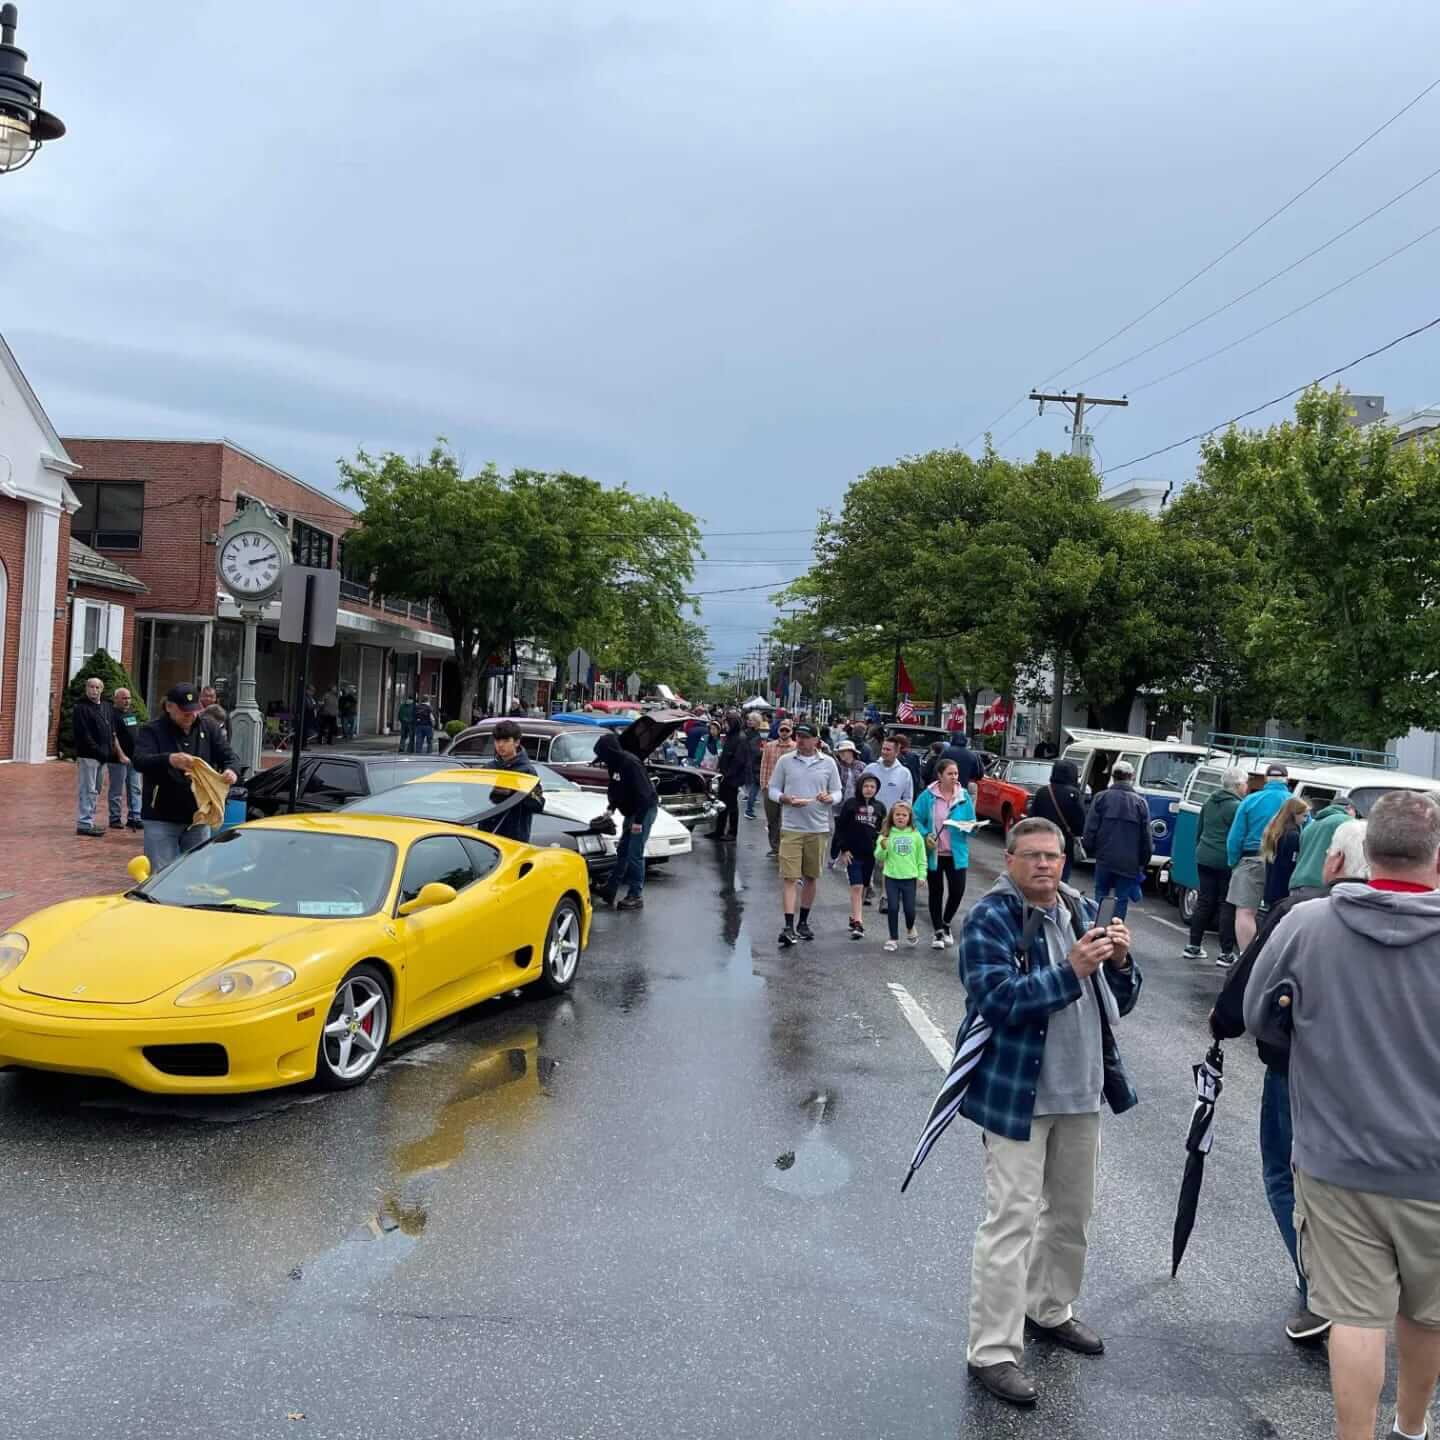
x: 735, y: 251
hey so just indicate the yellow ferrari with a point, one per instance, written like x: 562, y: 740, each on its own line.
x: 290, y: 948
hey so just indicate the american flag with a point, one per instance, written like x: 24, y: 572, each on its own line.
x: 906, y: 712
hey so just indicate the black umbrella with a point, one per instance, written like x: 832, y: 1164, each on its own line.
x: 1208, y: 1086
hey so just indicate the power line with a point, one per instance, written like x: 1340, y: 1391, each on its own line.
x: 1252, y: 232
x: 1288, y: 395
x: 1279, y: 319
x: 1270, y: 280
x: 1224, y: 254
x: 735, y: 589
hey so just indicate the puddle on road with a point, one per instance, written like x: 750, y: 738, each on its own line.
x: 815, y: 1167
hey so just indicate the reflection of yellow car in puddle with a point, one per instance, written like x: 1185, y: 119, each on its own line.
x: 289, y: 948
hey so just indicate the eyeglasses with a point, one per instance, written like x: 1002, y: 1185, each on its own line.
x: 1036, y: 857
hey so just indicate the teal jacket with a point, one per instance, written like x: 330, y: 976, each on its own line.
x: 1256, y: 811
x: 963, y: 808
x: 1315, y: 845
x: 1213, y: 832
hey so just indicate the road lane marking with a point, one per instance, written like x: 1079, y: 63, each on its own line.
x: 931, y: 1036
x: 1169, y: 924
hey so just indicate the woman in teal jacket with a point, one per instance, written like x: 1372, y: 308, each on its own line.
x: 947, y: 849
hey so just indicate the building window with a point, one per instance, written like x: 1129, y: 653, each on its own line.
x: 311, y: 546
x: 110, y: 514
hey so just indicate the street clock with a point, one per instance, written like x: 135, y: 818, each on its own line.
x: 254, y: 554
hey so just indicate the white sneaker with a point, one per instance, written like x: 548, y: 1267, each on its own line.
x: 938, y: 943
x: 1193, y: 952
x: 949, y: 938
x: 890, y: 945
x: 911, y: 938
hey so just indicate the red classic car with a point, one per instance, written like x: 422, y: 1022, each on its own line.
x: 1004, y: 794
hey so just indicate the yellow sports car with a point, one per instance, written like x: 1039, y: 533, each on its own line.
x: 290, y: 948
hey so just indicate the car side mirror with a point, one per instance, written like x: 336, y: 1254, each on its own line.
x: 431, y: 895
x: 138, y: 869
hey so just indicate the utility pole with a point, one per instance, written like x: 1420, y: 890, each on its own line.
x: 1076, y: 405
x: 1080, y: 441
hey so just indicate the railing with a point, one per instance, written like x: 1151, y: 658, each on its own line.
x: 355, y: 590
x: 1303, y: 751
x: 395, y: 607
x: 420, y: 612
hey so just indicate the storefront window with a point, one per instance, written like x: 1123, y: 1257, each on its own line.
x: 225, y: 654
x: 176, y: 651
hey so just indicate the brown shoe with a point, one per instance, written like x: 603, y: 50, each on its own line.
x: 1008, y: 1382
x: 1072, y: 1335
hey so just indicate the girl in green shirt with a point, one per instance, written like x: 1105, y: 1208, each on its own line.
x: 903, y: 860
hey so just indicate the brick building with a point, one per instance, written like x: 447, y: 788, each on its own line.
x: 35, y: 506
x: 156, y: 507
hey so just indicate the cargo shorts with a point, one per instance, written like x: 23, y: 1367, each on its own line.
x: 1367, y: 1257
x: 802, y: 854
x: 1247, y: 884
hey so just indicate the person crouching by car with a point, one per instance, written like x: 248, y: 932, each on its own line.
x: 632, y: 794
x: 165, y: 752
x: 510, y: 754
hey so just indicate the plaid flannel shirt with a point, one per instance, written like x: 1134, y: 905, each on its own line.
x: 1018, y: 1006
x: 770, y: 757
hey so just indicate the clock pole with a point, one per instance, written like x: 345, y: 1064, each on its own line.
x: 247, y: 724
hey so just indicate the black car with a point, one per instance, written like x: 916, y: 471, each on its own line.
x: 336, y: 781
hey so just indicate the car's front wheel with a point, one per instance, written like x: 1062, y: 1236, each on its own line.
x: 1189, y: 902
x: 357, y: 1029
x: 562, y: 948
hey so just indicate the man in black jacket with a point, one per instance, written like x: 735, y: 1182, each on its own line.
x: 1344, y: 861
x: 632, y: 794
x: 735, y: 773
x: 1117, y: 837
x: 93, y: 725
x: 165, y: 752
x: 515, y: 823
x: 1060, y: 802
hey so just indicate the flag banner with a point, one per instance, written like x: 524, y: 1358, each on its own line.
x: 906, y: 712
x: 905, y: 685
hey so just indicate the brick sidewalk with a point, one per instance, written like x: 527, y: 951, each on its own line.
x: 47, y: 861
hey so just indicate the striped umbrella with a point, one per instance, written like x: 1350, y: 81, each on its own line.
x: 1208, y: 1085
x: 970, y: 1042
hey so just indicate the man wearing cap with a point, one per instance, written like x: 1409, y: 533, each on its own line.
x: 165, y: 752
x: 805, y: 785
x: 1242, y: 849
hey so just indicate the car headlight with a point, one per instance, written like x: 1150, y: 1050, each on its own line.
x: 590, y: 844
x: 13, y: 946
x: 242, y: 981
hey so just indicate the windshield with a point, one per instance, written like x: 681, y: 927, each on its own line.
x: 1364, y: 797
x: 1167, y: 770
x: 574, y: 747
x: 1029, y: 772
x: 279, y: 872
x: 455, y: 801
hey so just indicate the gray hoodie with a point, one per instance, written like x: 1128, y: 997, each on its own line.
x: 1363, y: 972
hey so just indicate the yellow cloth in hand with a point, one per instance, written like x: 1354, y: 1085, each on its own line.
x: 210, y: 788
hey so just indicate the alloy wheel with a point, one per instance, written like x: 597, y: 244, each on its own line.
x: 356, y: 1028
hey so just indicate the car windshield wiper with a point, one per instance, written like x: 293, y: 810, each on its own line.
x: 226, y: 905
x: 141, y: 895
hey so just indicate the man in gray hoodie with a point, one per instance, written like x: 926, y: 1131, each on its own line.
x: 1355, y: 982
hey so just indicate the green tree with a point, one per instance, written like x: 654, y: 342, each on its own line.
x: 660, y: 646
x: 1334, y: 626
x: 552, y: 558
x: 115, y: 677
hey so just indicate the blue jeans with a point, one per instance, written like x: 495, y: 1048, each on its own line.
x: 630, y: 855
x: 752, y: 794
x: 87, y: 779
x: 126, y: 778
x: 406, y: 737
x: 424, y: 742
x: 1275, y: 1140
x: 167, y: 840
x: 1126, y: 887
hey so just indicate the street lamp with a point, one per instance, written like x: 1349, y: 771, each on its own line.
x: 24, y: 126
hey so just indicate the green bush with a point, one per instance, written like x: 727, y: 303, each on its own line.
x: 454, y: 727
x: 115, y: 677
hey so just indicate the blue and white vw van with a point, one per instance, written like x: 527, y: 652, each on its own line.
x: 1162, y: 768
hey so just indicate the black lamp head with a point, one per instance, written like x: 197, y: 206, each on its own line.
x: 24, y: 124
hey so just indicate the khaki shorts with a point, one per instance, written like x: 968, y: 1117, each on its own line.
x: 802, y: 854
x: 1247, y: 884
x: 1367, y: 1257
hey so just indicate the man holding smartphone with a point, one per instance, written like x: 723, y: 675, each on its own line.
x: 1051, y: 974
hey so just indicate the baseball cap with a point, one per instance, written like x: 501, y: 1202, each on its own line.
x: 1277, y: 769
x: 803, y: 729
x: 185, y: 698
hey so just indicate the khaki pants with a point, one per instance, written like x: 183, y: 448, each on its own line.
x: 773, y: 811
x: 1030, y: 1248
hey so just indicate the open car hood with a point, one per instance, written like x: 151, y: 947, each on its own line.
x: 646, y: 733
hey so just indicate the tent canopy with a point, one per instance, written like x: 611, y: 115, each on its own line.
x: 757, y: 702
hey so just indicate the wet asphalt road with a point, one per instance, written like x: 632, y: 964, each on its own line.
x: 664, y: 1206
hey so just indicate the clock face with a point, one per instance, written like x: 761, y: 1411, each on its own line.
x: 250, y: 563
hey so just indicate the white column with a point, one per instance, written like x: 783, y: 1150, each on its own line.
x: 37, y: 632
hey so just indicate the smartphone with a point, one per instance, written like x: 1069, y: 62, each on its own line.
x: 1106, y: 913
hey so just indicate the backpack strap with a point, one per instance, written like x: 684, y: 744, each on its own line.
x: 1033, y: 921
